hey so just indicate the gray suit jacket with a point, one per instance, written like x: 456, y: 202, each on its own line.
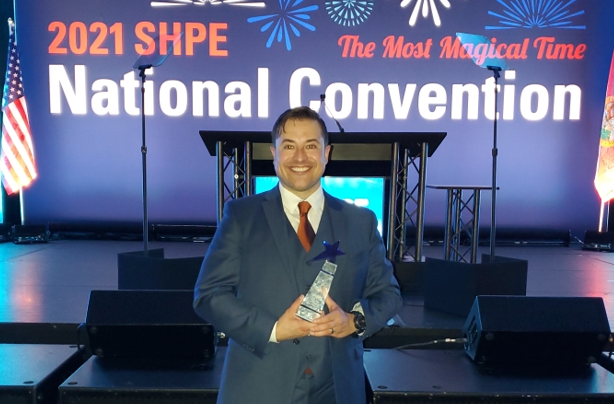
x: 248, y: 279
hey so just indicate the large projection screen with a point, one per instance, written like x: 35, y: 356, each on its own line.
x: 384, y: 65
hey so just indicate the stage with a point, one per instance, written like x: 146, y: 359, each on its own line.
x: 45, y: 289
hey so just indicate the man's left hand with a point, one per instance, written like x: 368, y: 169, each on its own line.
x: 337, y: 323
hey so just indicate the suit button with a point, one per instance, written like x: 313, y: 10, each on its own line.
x: 296, y: 341
x: 307, y: 356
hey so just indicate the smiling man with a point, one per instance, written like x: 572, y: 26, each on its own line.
x: 300, y: 153
x: 264, y: 257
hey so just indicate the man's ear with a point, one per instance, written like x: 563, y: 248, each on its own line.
x: 328, y: 152
x: 273, y: 151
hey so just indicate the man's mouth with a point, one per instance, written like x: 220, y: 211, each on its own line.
x: 299, y: 169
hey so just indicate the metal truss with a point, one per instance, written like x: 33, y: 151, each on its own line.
x: 462, y: 225
x: 406, y: 204
x: 236, y: 164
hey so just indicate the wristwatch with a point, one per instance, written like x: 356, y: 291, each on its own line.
x: 359, y: 323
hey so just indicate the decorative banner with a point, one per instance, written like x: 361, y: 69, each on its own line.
x: 387, y: 65
x: 604, y: 179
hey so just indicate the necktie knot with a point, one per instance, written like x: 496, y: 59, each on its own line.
x: 305, y: 232
x: 303, y: 207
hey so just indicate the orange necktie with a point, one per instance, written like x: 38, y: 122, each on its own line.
x: 305, y: 231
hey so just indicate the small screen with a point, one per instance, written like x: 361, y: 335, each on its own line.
x: 361, y: 191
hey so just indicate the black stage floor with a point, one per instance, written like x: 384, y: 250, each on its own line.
x: 44, y: 295
x: 44, y: 288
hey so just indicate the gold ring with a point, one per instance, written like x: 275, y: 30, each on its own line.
x: 332, y: 331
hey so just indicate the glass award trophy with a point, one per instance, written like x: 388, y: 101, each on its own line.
x: 315, y: 299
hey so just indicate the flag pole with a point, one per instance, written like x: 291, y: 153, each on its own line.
x: 604, y: 212
x: 21, y: 215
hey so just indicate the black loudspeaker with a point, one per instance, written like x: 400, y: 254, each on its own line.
x: 21, y: 234
x: 135, y: 270
x: 452, y: 286
x: 147, y: 324
x: 598, y: 241
x: 540, y: 331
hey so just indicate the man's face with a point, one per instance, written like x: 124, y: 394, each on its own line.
x: 300, y: 156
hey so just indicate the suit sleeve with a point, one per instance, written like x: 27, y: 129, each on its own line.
x: 215, y: 293
x: 381, y: 295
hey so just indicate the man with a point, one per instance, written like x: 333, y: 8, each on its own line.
x: 257, y: 270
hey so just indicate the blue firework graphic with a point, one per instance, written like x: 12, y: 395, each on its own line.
x: 536, y: 14
x: 349, y: 13
x: 289, y: 20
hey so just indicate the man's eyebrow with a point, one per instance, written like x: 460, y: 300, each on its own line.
x: 285, y: 140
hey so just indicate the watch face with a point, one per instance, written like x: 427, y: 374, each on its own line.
x: 359, y: 321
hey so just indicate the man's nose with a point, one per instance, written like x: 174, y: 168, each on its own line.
x: 300, y: 154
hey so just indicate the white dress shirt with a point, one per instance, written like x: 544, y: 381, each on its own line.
x: 291, y: 201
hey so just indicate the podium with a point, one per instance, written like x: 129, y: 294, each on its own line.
x: 400, y: 157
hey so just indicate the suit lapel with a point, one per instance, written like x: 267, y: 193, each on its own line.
x: 276, y: 218
x: 331, y: 229
x: 331, y: 226
x: 337, y: 220
x: 337, y: 231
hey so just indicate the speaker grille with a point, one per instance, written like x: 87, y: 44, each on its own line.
x: 537, y: 330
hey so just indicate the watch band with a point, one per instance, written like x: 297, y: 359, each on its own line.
x: 359, y: 322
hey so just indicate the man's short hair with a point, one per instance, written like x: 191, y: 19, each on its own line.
x: 298, y: 113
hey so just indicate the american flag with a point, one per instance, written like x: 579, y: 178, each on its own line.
x: 17, y: 163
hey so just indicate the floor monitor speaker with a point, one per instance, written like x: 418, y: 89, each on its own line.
x: 513, y: 330
x: 147, y: 324
x: 598, y: 241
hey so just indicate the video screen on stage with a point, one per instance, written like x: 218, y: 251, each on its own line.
x: 382, y: 66
x: 366, y: 192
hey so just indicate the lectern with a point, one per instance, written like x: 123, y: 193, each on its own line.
x: 401, y: 157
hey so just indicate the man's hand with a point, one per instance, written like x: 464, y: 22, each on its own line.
x: 289, y: 326
x: 337, y: 323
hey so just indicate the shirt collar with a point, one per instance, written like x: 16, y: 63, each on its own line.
x: 290, y: 201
